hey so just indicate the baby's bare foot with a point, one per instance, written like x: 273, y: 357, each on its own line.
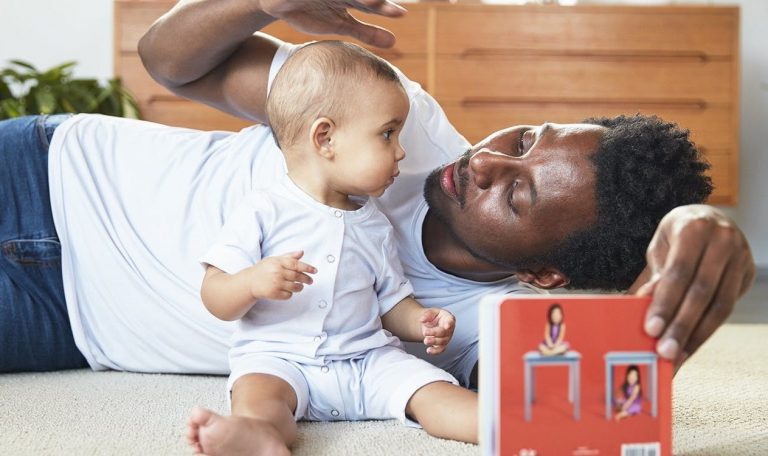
x: 212, y: 434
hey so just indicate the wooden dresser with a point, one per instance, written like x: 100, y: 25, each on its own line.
x: 492, y: 66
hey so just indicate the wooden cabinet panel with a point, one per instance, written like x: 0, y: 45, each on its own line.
x: 135, y: 19
x: 601, y: 30
x: 477, y: 121
x: 723, y: 175
x: 136, y: 78
x: 492, y: 66
x: 411, y: 33
x: 178, y: 112
x: 145, y: 88
x: 558, y: 79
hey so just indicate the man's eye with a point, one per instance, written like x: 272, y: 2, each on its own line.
x: 521, y: 144
x: 510, y: 197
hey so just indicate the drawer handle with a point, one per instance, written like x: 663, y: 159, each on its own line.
x: 479, y: 102
x: 698, y: 56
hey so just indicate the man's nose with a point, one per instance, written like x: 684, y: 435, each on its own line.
x: 488, y: 166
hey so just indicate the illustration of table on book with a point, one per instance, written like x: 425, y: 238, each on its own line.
x: 571, y: 375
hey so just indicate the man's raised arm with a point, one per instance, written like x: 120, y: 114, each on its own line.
x: 209, y: 51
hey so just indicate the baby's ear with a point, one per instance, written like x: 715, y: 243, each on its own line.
x: 321, y: 134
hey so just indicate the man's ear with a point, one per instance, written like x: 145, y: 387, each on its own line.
x: 321, y: 135
x: 546, y: 277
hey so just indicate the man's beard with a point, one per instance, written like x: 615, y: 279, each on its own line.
x: 431, y: 186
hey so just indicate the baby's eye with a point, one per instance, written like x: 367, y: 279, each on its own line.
x: 388, y: 134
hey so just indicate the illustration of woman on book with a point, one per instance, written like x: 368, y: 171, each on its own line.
x: 554, y: 333
x: 630, y: 399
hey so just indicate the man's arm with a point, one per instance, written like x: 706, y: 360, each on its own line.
x: 699, y: 264
x: 207, y: 50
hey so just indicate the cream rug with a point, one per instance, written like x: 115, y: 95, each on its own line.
x: 720, y: 408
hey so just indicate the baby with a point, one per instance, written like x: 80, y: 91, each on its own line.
x: 313, y: 276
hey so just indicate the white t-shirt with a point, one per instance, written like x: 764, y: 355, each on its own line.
x: 136, y: 204
x: 358, y: 279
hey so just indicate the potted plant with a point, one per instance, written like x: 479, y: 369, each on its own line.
x: 24, y: 90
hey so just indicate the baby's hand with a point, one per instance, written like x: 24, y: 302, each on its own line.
x: 437, y: 327
x: 279, y: 277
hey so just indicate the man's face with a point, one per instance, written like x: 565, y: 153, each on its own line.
x: 518, y: 192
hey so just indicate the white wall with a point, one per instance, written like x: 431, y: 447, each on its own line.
x: 752, y: 211
x: 47, y: 32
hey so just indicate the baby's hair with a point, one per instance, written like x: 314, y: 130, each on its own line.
x: 318, y: 81
x: 552, y: 309
x: 630, y: 368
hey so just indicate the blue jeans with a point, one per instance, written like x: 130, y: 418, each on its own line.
x: 35, y: 334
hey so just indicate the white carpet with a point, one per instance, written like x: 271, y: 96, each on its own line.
x: 720, y: 408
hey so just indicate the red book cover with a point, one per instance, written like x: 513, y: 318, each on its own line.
x: 572, y: 375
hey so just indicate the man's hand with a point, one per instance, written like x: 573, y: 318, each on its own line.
x: 279, y: 277
x: 437, y: 327
x: 331, y: 17
x: 699, y: 263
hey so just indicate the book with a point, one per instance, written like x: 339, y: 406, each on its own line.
x: 571, y: 375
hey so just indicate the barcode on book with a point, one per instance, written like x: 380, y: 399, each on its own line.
x: 641, y: 449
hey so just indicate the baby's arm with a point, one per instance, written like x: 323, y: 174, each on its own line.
x: 411, y: 322
x: 230, y: 296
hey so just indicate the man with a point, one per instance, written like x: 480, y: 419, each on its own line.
x: 517, y: 208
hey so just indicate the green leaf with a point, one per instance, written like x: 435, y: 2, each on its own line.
x: 5, y: 91
x: 55, y: 90
x: 24, y: 64
x: 12, y: 108
x: 46, y: 102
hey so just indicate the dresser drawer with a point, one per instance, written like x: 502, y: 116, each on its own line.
x: 476, y: 121
x: 676, y: 31
x: 133, y: 21
x: 723, y: 175
x: 548, y: 79
x: 141, y: 84
x: 136, y: 78
x: 179, y: 112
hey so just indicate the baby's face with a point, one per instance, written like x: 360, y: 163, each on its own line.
x: 367, y: 144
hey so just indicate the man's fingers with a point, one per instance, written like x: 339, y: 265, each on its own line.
x: 675, y: 276
x: 367, y: 33
x: 719, y: 309
x: 749, y: 277
x: 382, y: 7
x: 696, y: 301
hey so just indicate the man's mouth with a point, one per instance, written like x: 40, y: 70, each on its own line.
x: 448, y: 182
